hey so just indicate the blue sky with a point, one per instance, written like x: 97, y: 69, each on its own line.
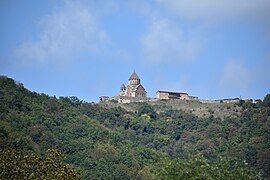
x: 210, y: 49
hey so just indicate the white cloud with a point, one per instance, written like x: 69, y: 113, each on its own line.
x: 219, y: 9
x: 165, y: 42
x: 71, y: 28
x: 239, y: 79
x: 261, y: 73
x: 235, y: 76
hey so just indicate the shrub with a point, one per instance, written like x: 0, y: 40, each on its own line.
x: 147, y: 109
x: 16, y: 165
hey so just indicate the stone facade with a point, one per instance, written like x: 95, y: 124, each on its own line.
x: 135, y: 92
x: 134, y: 88
x: 172, y: 95
x: 103, y: 98
x: 193, y: 98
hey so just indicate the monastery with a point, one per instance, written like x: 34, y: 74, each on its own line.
x: 132, y: 92
x: 134, y: 87
x: 135, y: 92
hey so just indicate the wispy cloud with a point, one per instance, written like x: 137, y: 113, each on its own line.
x: 219, y: 9
x: 165, y: 42
x: 69, y: 29
x: 261, y: 73
x: 235, y: 75
x: 239, y: 79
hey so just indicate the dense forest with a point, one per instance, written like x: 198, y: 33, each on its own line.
x: 43, y: 137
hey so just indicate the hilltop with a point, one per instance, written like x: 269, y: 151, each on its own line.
x: 153, y: 140
x: 197, y: 108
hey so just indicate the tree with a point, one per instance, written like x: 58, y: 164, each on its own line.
x: 147, y: 109
x: 266, y: 100
x: 198, y: 167
x: 16, y: 165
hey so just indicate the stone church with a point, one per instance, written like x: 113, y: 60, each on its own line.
x: 134, y: 87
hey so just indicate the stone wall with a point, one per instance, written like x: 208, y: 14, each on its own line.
x: 125, y: 99
x: 232, y: 100
x: 171, y: 95
x: 184, y: 96
x: 162, y: 95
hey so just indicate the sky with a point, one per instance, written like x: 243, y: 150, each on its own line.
x: 212, y: 49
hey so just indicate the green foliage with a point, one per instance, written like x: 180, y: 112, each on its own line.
x: 266, y: 100
x: 15, y: 164
x: 199, y: 168
x: 104, y: 142
x: 147, y: 109
x: 72, y: 100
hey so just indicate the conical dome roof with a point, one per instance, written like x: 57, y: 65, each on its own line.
x: 123, y: 86
x: 134, y: 76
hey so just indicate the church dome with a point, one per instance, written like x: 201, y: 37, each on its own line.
x: 123, y: 87
x: 134, y: 76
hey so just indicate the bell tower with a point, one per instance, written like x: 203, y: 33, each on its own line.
x: 134, y: 79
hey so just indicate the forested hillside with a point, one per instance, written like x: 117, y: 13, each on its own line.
x: 67, y: 138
